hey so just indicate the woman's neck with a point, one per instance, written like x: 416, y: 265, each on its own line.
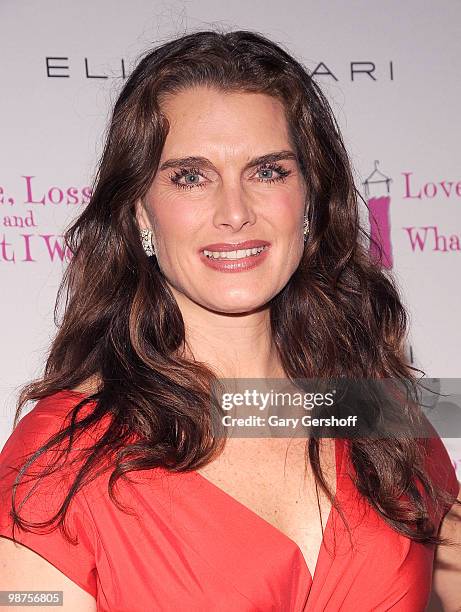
x: 233, y: 345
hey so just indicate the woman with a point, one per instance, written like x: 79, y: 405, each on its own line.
x: 219, y: 143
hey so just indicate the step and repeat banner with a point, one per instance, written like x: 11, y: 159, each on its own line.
x: 391, y: 72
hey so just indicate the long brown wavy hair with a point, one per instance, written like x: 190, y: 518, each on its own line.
x: 340, y: 314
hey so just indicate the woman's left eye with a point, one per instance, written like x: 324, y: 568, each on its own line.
x: 268, y: 169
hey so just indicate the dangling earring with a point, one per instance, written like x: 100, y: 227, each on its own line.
x: 306, y: 228
x: 146, y: 239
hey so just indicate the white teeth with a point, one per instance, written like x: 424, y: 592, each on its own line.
x: 234, y: 254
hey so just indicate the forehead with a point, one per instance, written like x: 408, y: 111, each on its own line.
x: 212, y: 119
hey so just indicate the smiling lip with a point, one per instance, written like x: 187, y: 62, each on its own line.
x: 235, y: 265
x: 228, y: 246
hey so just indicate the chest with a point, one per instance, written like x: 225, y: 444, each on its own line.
x: 271, y: 478
x: 191, y: 546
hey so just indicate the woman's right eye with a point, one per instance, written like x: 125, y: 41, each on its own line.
x: 186, y: 173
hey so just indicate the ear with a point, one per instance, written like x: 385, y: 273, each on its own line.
x: 142, y: 217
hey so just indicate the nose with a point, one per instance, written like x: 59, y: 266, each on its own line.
x: 234, y: 209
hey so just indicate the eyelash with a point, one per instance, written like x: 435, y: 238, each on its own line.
x: 176, y: 176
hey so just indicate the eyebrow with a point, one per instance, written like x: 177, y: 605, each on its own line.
x: 203, y: 162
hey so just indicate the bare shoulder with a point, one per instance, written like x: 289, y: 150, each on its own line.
x: 23, y: 569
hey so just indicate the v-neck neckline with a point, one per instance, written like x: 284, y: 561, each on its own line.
x: 339, y: 460
x: 339, y: 456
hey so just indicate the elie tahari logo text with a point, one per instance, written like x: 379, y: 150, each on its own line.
x: 65, y: 67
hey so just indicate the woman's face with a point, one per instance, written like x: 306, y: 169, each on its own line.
x: 223, y: 197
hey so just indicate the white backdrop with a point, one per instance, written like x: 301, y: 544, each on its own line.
x: 391, y: 71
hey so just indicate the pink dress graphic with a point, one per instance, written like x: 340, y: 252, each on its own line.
x: 380, y: 229
x: 378, y: 215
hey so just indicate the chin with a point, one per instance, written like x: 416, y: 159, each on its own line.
x: 238, y: 304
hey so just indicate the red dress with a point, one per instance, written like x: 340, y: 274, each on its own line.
x: 191, y: 546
